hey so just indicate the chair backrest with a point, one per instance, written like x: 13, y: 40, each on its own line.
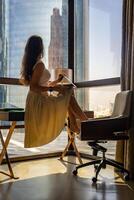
x: 105, y: 128
x: 122, y: 104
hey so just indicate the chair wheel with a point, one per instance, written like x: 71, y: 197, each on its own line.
x: 75, y: 172
x: 94, y: 180
x: 126, y: 177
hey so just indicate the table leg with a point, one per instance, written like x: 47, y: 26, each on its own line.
x: 4, y: 150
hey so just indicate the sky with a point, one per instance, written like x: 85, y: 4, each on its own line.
x: 104, y: 38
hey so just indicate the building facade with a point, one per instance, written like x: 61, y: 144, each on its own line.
x: 3, y: 50
x: 55, y: 49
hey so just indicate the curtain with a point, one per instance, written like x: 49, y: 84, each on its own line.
x: 125, y: 150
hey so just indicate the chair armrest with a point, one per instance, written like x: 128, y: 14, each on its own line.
x: 104, y: 118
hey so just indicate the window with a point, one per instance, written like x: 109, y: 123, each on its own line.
x: 45, y: 18
x: 97, y: 44
x: 97, y: 39
x: 98, y: 28
x: 25, y: 18
x: 20, y: 20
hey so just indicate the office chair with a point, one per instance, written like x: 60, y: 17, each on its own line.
x: 114, y: 127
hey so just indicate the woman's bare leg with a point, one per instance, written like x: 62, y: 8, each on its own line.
x: 75, y: 112
x: 72, y: 122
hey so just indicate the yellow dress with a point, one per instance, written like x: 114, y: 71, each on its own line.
x: 44, y: 115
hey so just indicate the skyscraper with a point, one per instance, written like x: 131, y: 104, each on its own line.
x: 55, y: 49
x: 58, y: 47
x: 81, y: 70
x: 65, y: 32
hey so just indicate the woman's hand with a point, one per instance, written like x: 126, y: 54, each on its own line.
x: 60, y: 77
x: 51, y: 83
x: 54, y: 83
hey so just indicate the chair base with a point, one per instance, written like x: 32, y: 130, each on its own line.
x: 101, y: 163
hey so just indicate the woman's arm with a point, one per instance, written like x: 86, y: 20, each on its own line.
x: 23, y: 81
x: 34, y: 83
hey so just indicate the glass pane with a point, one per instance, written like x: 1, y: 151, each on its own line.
x: 20, y: 20
x: 16, y: 95
x: 98, y: 99
x: 98, y: 39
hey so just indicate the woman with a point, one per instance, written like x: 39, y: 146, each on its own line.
x: 44, y: 113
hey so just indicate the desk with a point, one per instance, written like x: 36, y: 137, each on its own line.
x: 12, y: 114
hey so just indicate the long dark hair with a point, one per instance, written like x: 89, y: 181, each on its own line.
x: 33, y: 51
